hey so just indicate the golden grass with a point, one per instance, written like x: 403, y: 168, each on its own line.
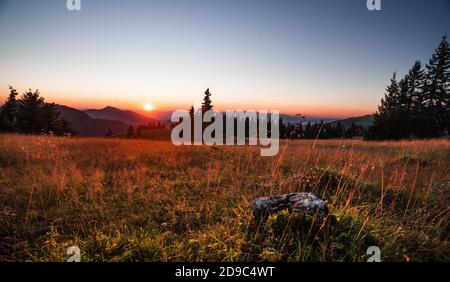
x: 139, y: 200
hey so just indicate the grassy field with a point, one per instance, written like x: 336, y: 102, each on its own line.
x: 137, y: 200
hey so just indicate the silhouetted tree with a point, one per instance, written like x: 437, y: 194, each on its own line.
x: 207, y: 103
x: 27, y: 112
x: 31, y: 115
x: 419, y: 105
x: 416, y: 80
x: 339, y: 130
x: 437, y: 90
x: 130, y: 132
x: 7, y: 112
x: 385, y: 125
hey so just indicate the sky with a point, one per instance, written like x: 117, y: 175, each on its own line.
x: 324, y: 58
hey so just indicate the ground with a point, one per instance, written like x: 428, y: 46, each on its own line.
x: 141, y: 200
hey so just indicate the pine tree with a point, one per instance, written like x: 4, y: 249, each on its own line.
x: 309, y: 131
x: 385, y: 120
x: 339, y: 130
x: 27, y: 112
x: 7, y: 113
x: 49, y: 120
x: 416, y: 81
x: 130, y: 132
x: 437, y: 89
x: 401, y: 116
x: 191, y: 112
x: 207, y: 103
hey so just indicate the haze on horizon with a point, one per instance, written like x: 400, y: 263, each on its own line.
x: 320, y: 58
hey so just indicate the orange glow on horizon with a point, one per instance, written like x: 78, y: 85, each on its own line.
x: 308, y: 110
x: 148, y: 107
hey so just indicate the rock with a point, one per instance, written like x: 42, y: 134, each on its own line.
x: 302, y: 203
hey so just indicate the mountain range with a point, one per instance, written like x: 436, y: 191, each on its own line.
x: 127, y: 117
x: 365, y: 121
x: 100, y: 122
x: 84, y: 125
x: 93, y: 123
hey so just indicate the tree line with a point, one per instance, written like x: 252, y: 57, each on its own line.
x: 417, y: 106
x: 30, y: 114
x: 321, y: 130
x: 295, y: 130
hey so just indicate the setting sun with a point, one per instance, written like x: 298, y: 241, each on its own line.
x: 148, y: 107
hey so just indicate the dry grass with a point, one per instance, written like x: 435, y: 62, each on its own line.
x: 137, y: 200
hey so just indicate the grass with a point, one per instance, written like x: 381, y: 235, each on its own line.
x: 140, y: 200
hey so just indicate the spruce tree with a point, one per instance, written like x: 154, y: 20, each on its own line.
x: 207, y: 103
x: 7, y: 112
x: 27, y: 112
x: 130, y: 131
x: 49, y: 120
x: 385, y: 120
x: 437, y: 90
x: 416, y: 123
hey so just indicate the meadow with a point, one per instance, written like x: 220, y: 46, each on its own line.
x: 142, y: 200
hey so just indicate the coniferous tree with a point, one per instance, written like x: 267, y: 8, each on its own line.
x: 49, y: 120
x: 437, y: 90
x: 309, y: 131
x: 27, y: 112
x: 207, y: 103
x: 385, y: 120
x: 130, y: 131
x: 416, y: 79
x: 192, y: 112
x: 206, y: 106
x: 339, y: 130
x: 7, y: 112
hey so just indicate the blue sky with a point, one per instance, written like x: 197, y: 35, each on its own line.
x: 317, y: 57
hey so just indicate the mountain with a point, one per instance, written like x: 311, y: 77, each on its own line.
x: 84, y: 125
x: 161, y: 115
x: 114, y: 114
x: 303, y: 120
x: 365, y: 121
x: 166, y: 115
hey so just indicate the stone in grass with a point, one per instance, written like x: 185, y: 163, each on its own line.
x: 301, y: 203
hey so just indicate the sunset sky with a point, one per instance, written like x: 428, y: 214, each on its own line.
x: 323, y: 58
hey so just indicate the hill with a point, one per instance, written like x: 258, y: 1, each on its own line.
x: 114, y: 114
x: 365, y: 121
x: 84, y: 125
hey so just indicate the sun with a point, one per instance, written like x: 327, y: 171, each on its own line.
x: 148, y: 107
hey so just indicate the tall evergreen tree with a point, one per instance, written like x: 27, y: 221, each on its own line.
x: 27, y: 112
x: 417, y: 124
x: 437, y: 89
x: 191, y: 112
x: 49, y: 120
x: 385, y: 125
x: 33, y: 116
x: 339, y: 130
x: 207, y: 103
x: 7, y: 111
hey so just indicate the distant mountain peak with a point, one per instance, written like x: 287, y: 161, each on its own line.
x: 107, y: 108
x: 125, y: 116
